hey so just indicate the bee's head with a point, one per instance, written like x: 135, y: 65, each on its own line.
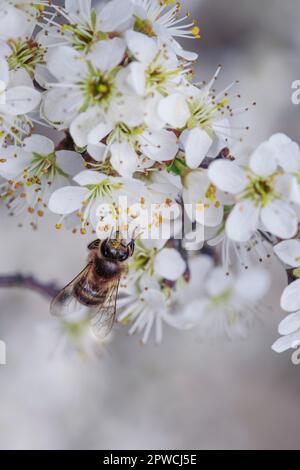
x: 117, y: 249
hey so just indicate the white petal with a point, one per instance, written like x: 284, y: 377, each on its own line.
x: 84, y: 124
x: 197, y: 144
x: 279, y: 219
x: 20, y: 77
x: 69, y: 162
x: 227, y: 176
x: 88, y: 177
x: 286, y: 342
x: 252, y: 285
x: 262, y: 161
x: 97, y: 152
x: 79, y: 9
x: 14, y: 23
x: 142, y: 47
x: 20, y: 100
x: 284, y: 186
x: 295, y: 191
x: 67, y: 65
x: 151, y: 116
x: 174, y: 110
x: 15, y: 161
x: 279, y: 139
x: 210, y: 216
x: 169, y: 264
x: 121, y: 110
x: 289, y: 252
x: 195, y: 186
x: 136, y: 78
x: 289, y: 157
x: 223, y: 132
x: 290, y: 299
x: 193, y: 313
x: 178, y: 49
x: 242, y: 221
x: 105, y: 55
x: 159, y: 145
x: 38, y: 144
x: 67, y: 200
x: 4, y: 73
x: 287, y: 152
x: 59, y: 106
x: 290, y: 324
x: 114, y: 14
x: 123, y: 159
x: 99, y: 132
x: 150, y: 243
x: 218, y: 282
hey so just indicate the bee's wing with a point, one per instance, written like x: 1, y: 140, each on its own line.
x: 65, y: 303
x: 104, y: 319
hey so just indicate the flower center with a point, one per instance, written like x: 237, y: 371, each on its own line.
x: 98, y: 87
x: 75, y: 330
x: 42, y: 166
x: 143, y: 259
x: 124, y: 132
x: 211, y: 193
x: 13, y: 130
x: 103, y: 189
x: 144, y: 26
x: 26, y: 54
x: 202, y: 114
x: 157, y: 77
x: 221, y: 299
x: 260, y: 190
x: 84, y: 35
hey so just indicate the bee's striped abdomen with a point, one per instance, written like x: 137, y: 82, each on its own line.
x: 90, y: 293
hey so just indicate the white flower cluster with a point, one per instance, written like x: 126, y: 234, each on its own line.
x: 115, y: 87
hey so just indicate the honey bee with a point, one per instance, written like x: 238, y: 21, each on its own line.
x: 96, y: 287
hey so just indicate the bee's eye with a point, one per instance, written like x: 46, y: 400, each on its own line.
x: 105, y: 249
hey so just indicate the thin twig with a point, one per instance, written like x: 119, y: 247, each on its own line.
x: 29, y: 282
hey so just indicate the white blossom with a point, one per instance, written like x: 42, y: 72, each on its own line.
x: 147, y: 309
x: 154, y: 18
x: 288, y: 252
x: 228, y: 304
x: 262, y: 192
x: 17, y: 98
x: 34, y: 171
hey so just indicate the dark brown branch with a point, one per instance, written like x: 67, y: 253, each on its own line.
x: 29, y: 282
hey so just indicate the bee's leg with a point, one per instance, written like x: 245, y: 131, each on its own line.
x: 94, y: 245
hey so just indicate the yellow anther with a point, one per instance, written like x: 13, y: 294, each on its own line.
x: 196, y: 32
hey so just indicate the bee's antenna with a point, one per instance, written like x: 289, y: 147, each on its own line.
x: 111, y: 233
x: 135, y: 235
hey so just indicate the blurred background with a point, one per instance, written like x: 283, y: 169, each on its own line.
x: 183, y: 394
